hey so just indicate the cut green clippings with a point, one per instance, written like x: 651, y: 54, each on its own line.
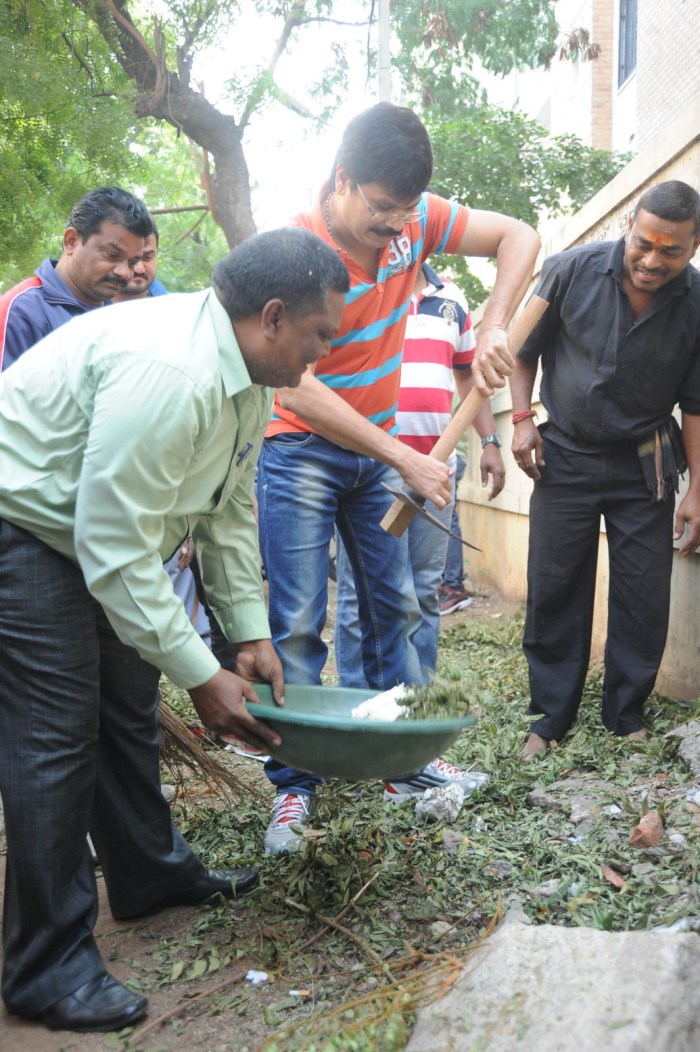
x: 450, y: 695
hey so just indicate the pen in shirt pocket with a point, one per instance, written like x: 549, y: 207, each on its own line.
x: 243, y: 453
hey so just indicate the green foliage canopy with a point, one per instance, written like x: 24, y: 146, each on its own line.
x: 500, y: 160
x: 57, y: 139
x: 97, y: 91
x: 442, y: 41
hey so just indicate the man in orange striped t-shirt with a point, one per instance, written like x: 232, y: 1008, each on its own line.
x: 332, y: 441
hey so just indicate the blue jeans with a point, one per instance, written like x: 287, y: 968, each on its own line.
x: 426, y: 546
x: 185, y: 586
x: 454, y: 575
x: 308, y: 487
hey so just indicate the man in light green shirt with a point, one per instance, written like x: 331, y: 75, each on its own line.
x: 120, y: 433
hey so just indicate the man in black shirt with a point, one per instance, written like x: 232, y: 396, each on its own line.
x: 619, y: 346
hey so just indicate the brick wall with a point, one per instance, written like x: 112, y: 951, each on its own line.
x: 668, y: 64
x: 602, y: 73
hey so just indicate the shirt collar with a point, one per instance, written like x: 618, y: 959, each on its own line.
x: 234, y: 374
x: 431, y: 277
x: 611, y: 261
x: 57, y: 290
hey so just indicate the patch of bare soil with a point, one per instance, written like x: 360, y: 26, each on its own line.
x: 149, y: 952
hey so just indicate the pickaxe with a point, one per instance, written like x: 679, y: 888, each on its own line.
x: 407, y: 505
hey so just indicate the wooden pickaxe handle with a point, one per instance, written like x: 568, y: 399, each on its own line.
x: 399, y: 516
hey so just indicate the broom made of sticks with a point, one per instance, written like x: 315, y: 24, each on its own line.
x: 183, y: 747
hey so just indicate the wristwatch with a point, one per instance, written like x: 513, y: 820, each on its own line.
x: 495, y: 438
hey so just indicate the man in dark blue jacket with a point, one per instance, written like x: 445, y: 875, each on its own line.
x: 102, y: 244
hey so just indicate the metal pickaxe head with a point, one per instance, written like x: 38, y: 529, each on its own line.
x: 415, y: 505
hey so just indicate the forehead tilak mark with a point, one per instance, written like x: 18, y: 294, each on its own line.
x: 657, y: 239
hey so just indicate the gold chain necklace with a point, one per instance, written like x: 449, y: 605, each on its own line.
x: 327, y: 213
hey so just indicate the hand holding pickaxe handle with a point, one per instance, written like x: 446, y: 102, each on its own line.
x: 400, y: 514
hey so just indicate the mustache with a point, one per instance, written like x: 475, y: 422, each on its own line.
x: 384, y: 231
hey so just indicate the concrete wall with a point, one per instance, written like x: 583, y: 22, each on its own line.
x: 501, y: 528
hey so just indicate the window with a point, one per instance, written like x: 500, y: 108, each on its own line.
x: 627, y: 53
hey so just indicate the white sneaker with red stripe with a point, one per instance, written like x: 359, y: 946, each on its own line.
x: 291, y: 812
x: 433, y: 775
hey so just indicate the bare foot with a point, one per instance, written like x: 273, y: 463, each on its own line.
x: 534, y: 746
x: 637, y: 735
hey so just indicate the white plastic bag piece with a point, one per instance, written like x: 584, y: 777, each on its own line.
x: 382, y: 706
x: 441, y: 804
x: 256, y: 977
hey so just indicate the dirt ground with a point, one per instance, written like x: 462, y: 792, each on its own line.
x: 121, y: 944
x: 243, y: 1013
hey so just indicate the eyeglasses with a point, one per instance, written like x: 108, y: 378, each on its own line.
x: 393, y: 217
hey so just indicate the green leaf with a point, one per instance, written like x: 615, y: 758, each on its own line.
x: 198, y: 968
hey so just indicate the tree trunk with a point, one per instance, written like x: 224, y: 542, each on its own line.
x: 228, y: 188
x: 166, y: 95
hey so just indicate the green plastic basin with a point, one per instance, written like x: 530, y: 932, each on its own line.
x: 319, y: 734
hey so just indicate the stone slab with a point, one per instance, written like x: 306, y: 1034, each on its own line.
x: 551, y: 989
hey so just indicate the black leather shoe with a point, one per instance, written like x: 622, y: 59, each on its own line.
x: 229, y: 882
x: 100, y: 1004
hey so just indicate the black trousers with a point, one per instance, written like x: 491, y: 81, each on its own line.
x: 565, y: 511
x: 79, y: 753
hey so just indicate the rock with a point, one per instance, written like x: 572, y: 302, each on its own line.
x: 583, y: 811
x: 539, y: 798
x: 515, y: 911
x: 439, y: 929
x: 552, y: 989
x: 584, y: 828
x: 441, y: 804
x: 546, y: 890
x: 689, y: 749
x: 583, y: 795
x: 682, y: 924
x: 453, y: 841
x: 498, y: 868
x: 476, y: 780
x: 583, y: 786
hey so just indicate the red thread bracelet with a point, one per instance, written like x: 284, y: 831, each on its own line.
x: 522, y: 414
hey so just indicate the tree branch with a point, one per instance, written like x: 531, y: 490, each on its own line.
x: 294, y: 19
x: 124, y: 19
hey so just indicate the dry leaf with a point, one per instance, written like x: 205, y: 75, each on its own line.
x: 419, y: 880
x: 649, y: 831
x: 612, y: 876
x: 314, y: 834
